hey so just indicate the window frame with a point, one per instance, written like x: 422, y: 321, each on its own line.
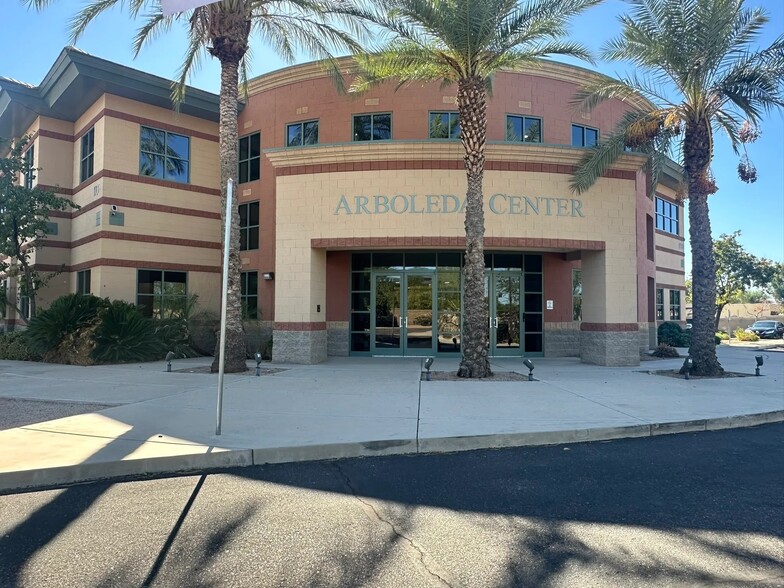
x: 584, y: 128
x: 449, y: 113
x: 162, y: 295
x: 247, y: 312
x: 675, y: 305
x: 664, y: 216
x: 302, y: 124
x: 249, y: 159
x: 524, y: 117
x: 166, y: 157
x: 84, y: 277
x: 659, y: 304
x: 248, y: 229
x: 89, y: 158
x: 577, y: 311
x: 29, y: 161
x: 372, y: 115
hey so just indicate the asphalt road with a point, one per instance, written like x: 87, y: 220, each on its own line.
x: 703, y: 509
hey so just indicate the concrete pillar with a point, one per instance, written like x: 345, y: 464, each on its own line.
x: 300, y: 329
x: 609, y: 331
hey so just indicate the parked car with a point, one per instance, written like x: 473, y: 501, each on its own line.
x: 767, y: 329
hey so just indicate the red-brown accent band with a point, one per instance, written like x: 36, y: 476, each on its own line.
x: 609, y: 327
x: 107, y: 173
x: 131, y: 237
x: 410, y: 164
x: 423, y: 241
x: 315, y: 326
x: 54, y: 135
x: 137, y: 205
x: 668, y: 250
x: 104, y: 261
x: 667, y: 270
x: 666, y: 234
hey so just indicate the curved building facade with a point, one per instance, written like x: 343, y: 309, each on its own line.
x: 351, y: 211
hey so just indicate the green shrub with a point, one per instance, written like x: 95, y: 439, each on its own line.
x: 671, y: 334
x: 14, y: 346
x: 124, y: 335
x: 66, y: 315
x: 175, y: 336
x: 742, y: 335
x: 723, y: 336
x: 664, y: 350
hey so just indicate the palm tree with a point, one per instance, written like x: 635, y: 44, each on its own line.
x: 699, y: 70
x: 224, y: 30
x: 465, y: 42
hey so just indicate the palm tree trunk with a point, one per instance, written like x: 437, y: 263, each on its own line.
x: 235, y: 331
x: 472, y: 105
x: 697, y: 156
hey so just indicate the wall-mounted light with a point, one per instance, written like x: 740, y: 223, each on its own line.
x: 759, y: 361
x: 530, y: 365
x: 268, y: 275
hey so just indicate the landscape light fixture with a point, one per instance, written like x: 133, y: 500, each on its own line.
x: 169, y: 357
x: 530, y: 365
x: 688, y: 363
x: 258, y: 363
x: 760, y: 361
x: 428, y: 364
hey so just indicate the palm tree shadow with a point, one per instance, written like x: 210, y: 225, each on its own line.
x: 30, y: 536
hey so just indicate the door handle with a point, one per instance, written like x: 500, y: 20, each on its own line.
x: 496, y: 322
x: 490, y: 326
x: 404, y: 322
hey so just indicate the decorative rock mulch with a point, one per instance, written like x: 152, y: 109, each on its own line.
x: 205, y: 369
x: 496, y: 377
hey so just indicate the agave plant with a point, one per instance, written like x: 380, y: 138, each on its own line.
x: 125, y: 335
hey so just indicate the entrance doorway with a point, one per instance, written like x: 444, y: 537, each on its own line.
x: 404, y: 311
x: 505, y: 311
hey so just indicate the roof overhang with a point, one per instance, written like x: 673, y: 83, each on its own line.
x: 77, y: 80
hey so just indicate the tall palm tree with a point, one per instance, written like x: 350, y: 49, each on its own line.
x: 465, y: 42
x: 224, y: 30
x: 698, y: 67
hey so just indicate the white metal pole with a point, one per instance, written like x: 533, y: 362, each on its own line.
x: 224, y: 301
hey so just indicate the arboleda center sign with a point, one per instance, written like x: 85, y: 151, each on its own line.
x: 500, y: 204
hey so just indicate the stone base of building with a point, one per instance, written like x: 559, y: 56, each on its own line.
x: 338, y: 338
x: 612, y: 345
x: 259, y: 337
x: 294, y: 346
x: 562, y: 339
x: 647, y: 337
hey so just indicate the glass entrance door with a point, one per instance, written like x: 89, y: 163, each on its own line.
x: 505, y: 311
x: 403, y: 314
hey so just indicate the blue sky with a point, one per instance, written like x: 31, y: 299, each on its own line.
x: 32, y: 41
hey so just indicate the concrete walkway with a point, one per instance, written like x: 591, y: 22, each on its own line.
x: 165, y: 422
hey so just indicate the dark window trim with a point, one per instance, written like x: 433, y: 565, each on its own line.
x: 250, y: 227
x: 88, y: 158
x: 584, y: 127
x: 302, y: 124
x: 251, y: 314
x: 450, y: 113
x: 675, y: 306
x: 659, y: 304
x: 669, y: 216
x: 29, y: 160
x: 187, y: 160
x: 240, y: 180
x: 163, y: 282
x: 372, y: 114
x: 524, y: 116
x: 84, y: 282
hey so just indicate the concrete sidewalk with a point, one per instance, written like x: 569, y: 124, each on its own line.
x: 165, y: 422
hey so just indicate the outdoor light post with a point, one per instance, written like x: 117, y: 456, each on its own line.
x: 428, y: 364
x: 760, y: 361
x: 530, y: 365
x: 169, y: 357
x: 258, y: 363
x: 687, y: 365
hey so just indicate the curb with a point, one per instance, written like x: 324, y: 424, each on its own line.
x: 30, y: 480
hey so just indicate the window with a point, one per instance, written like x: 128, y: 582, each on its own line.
x: 302, y: 133
x: 584, y: 136
x: 667, y: 216
x: 444, y: 125
x: 164, y: 155
x: 88, y: 153
x: 161, y: 294
x: 249, y: 226
x: 83, y: 282
x: 24, y: 306
x: 249, y: 294
x: 577, y: 295
x: 29, y: 163
x: 373, y: 127
x: 659, y: 304
x: 523, y: 129
x: 250, y: 158
x: 675, y: 305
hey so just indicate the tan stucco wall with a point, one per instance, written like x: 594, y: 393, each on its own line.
x: 306, y: 209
